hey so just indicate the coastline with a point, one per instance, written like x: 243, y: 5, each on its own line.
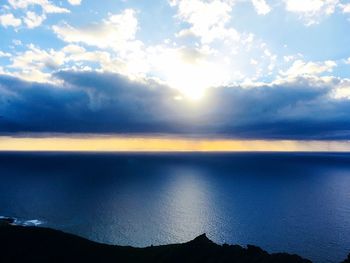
x: 38, y: 244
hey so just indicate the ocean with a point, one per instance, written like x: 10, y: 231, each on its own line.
x: 292, y: 202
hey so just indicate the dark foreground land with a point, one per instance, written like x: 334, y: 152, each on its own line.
x: 35, y: 244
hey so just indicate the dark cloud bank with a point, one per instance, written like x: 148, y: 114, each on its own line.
x: 90, y: 102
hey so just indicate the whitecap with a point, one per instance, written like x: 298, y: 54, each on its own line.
x: 33, y: 222
x: 21, y: 222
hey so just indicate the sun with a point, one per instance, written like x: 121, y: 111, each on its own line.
x: 191, y: 77
x: 188, y: 81
x: 192, y: 80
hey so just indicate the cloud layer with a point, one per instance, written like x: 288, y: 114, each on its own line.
x: 90, y: 102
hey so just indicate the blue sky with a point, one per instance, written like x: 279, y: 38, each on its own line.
x: 240, y: 68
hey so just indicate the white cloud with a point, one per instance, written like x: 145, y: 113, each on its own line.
x: 33, y: 20
x: 47, y: 6
x: 10, y: 20
x: 261, y: 7
x: 222, y: 54
x: 207, y: 19
x: 288, y: 58
x: 311, y: 11
x: 31, y: 64
x: 4, y: 54
x: 77, y: 53
x: 342, y: 89
x: 222, y: 61
x: 345, y: 8
x: 232, y: 51
x: 73, y: 49
x: 37, y: 64
x: 32, y: 17
x: 74, y: 2
x: 302, y: 68
x: 115, y: 32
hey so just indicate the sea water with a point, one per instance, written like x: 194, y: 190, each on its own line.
x: 282, y: 202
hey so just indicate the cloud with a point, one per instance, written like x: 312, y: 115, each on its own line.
x: 32, y: 17
x: 311, y: 11
x: 74, y: 2
x: 302, y: 68
x: 39, y: 65
x: 47, y: 6
x: 117, y: 31
x: 261, y: 7
x: 342, y: 90
x: 180, y: 67
x: 88, y: 102
x: 7, y: 20
x: 36, y: 65
x: 4, y: 54
x: 91, y: 102
x: 112, y: 45
x: 224, y: 56
x: 207, y: 20
x: 345, y: 8
x: 208, y: 25
x: 33, y: 20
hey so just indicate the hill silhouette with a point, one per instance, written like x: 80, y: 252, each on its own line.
x: 39, y: 245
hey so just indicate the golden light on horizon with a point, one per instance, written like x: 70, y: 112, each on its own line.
x: 162, y: 144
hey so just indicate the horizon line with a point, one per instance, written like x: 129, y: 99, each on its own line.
x: 98, y: 143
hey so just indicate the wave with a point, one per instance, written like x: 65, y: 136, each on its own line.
x: 20, y: 221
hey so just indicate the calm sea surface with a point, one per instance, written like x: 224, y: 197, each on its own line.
x: 295, y: 202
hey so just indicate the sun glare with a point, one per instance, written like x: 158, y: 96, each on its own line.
x: 191, y: 76
x: 191, y: 85
x: 192, y: 80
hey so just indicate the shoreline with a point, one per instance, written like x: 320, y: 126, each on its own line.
x: 20, y: 243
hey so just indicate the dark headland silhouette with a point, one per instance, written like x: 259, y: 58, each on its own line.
x: 37, y: 244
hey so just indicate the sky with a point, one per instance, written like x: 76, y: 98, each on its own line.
x: 222, y: 69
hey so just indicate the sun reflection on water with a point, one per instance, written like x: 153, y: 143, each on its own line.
x: 188, y: 204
